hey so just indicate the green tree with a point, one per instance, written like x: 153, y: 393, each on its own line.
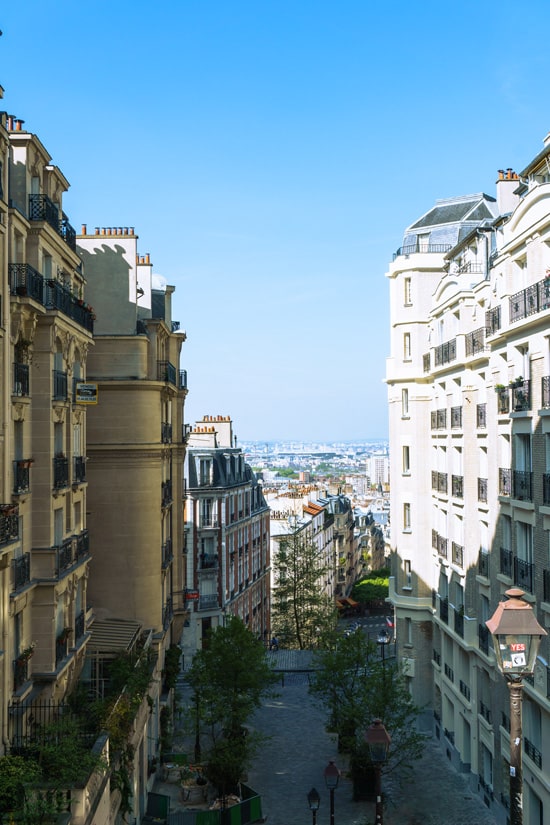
x: 229, y: 678
x: 373, y: 587
x: 301, y: 612
x: 356, y: 687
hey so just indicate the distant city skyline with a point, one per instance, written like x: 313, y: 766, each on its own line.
x: 269, y: 157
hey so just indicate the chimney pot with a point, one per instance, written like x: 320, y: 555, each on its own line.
x: 19, y: 125
x: 83, y: 232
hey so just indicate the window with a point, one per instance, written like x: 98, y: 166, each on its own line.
x: 406, y: 460
x: 408, y: 573
x: 205, y: 470
x: 408, y: 631
x: 407, y: 296
x: 404, y: 403
x: 407, y: 346
x: 406, y: 516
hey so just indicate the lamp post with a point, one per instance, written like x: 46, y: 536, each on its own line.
x: 313, y: 800
x: 383, y: 640
x: 332, y: 775
x: 378, y: 741
x: 516, y: 639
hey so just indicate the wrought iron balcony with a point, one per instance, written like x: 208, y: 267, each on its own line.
x: 503, y: 400
x: 21, y: 383
x: 465, y: 690
x: 20, y: 672
x: 457, y: 486
x: 9, y: 523
x: 79, y: 469
x: 522, y: 485
x: 421, y: 248
x: 492, y: 321
x: 208, y: 561
x: 79, y: 625
x: 483, y: 564
x: 42, y: 208
x: 21, y: 567
x: 506, y: 561
x: 523, y: 574
x: 182, y: 380
x: 64, y: 555
x: 166, y: 432
x: 438, y: 419
x: 457, y: 554
x: 445, y: 353
x: 82, y: 544
x: 483, y: 638
x: 439, y: 482
x: 208, y: 601
x: 167, y: 613
x: 481, y: 416
x: 475, y: 341
x: 504, y: 481
x: 166, y: 371
x: 426, y: 362
x: 59, y: 385
x: 167, y: 553
x: 26, y: 281
x: 521, y: 396
x: 449, y: 672
x: 166, y: 493
x: 60, y: 472
x: 61, y: 648
x: 456, y: 418
x: 459, y: 622
x: 21, y: 476
x: 545, y: 392
x: 482, y: 489
x: 444, y: 610
x: 485, y: 711
x: 532, y: 752
x: 529, y: 301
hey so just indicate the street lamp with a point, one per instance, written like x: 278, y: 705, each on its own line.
x: 332, y: 775
x: 516, y: 639
x: 383, y: 640
x: 378, y: 741
x: 313, y: 800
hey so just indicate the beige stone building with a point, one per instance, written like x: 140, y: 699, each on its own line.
x: 469, y: 407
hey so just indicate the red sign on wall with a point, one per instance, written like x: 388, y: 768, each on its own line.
x: 192, y: 595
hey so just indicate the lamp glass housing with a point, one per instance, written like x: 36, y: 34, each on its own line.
x: 516, y: 635
x: 378, y: 741
x: 332, y: 775
x: 313, y: 800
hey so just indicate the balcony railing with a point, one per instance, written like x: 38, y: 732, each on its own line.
x: 82, y: 544
x: 438, y: 419
x: 545, y: 392
x: 529, y: 301
x: 426, y: 362
x: 22, y: 476
x: 521, y: 396
x: 64, y: 555
x: 482, y: 489
x: 21, y: 383
x: 503, y: 400
x: 475, y: 341
x: 167, y: 613
x: 166, y: 432
x: 506, y: 561
x: 442, y: 545
x: 504, y: 481
x: 21, y: 671
x: 25, y: 281
x: 9, y: 523
x: 532, y: 752
x: 522, y: 485
x: 439, y: 482
x: 166, y: 493
x: 457, y: 554
x: 59, y: 385
x: 208, y: 601
x: 457, y: 486
x: 166, y: 371
x: 481, y: 416
x: 61, y: 648
x: 167, y: 552
x: 42, y: 208
x: 465, y: 690
x: 422, y: 248
x: 21, y: 571
x: 182, y: 380
x: 523, y: 574
x: 60, y: 472
x: 483, y: 564
x: 79, y: 625
x: 456, y: 418
x: 492, y: 321
x: 445, y: 353
x: 459, y: 622
x: 485, y: 711
x: 483, y: 638
x: 444, y: 610
x: 79, y: 469
x: 449, y: 672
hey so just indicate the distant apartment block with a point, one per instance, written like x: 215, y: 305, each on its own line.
x: 227, y: 530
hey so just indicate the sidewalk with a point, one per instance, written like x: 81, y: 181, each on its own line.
x: 299, y: 749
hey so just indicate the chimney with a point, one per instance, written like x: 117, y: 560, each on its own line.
x: 507, y: 183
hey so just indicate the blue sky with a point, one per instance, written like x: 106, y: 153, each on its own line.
x: 269, y: 156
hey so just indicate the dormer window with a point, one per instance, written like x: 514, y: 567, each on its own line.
x: 205, y: 471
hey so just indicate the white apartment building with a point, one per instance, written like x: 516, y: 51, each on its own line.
x: 469, y: 387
